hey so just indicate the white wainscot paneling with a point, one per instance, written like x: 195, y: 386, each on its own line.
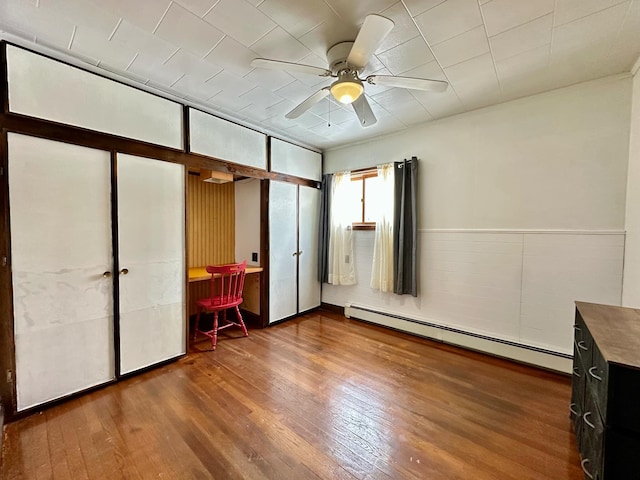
x: 559, y: 269
x: 517, y: 285
x: 225, y: 140
x: 469, y: 281
x: 51, y: 90
x: 294, y: 160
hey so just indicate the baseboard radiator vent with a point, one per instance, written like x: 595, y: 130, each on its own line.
x: 548, y: 359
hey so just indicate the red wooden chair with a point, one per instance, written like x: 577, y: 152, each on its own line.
x: 227, y: 282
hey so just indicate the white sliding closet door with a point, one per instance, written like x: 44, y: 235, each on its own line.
x: 283, y: 248
x: 308, y: 285
x: 151, y: 203
x: 60, y: 197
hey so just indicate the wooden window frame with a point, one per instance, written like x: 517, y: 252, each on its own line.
x: 363, y: 174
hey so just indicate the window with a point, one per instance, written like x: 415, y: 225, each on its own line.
x: 364, y: 199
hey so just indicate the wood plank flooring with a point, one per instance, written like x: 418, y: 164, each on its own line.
x: 319, y: 397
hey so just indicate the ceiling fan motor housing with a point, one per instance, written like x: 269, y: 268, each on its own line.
x: 337, y: 57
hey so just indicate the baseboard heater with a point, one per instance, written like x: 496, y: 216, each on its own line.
x: 560, y: 362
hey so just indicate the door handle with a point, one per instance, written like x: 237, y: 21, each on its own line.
x: 300, y: 252
x: 124, y: 271
x: 106, y: 274
x: 294, y: 254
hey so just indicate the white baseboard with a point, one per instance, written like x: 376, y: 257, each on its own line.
x: 510, y: 350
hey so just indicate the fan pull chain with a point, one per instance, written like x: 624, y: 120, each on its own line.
x: 329, y: 116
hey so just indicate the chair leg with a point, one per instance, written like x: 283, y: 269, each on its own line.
x: 214, y: 337
x: 196, y: 325
x: 244, y: 328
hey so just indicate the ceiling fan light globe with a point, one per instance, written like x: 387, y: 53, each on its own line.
x: 346, y: 91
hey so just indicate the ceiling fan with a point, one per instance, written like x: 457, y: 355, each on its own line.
x: 347, y: 60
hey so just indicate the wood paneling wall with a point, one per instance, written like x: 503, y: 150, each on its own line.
x: 211, y: 217
x: 210, y: 229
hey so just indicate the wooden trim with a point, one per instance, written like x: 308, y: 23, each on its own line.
x: 186, y: 129
x: 264, y: 252
x: 295, y: 144
x: 297, y: 249
x: 7, y: 341
x: 185, y: 285
x: 363, y: 226
x: 115, y: 246
x: 88, y: 138
x: 332, y: 308
x: 4, y: 78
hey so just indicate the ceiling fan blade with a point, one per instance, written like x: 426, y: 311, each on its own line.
x: 408, y: 82
x: 374, y: 30
x: 363, y: 111
x: 308, y: 103
x: 290, y: 67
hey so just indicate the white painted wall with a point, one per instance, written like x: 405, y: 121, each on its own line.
x: 247, y: 199
x: 521, y: 212
x: 557, y: 160
x: 631, y: 287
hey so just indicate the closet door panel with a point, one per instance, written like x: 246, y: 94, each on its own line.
x: 151, y: 248
x: 60, y: 201
x: 283, y: 247
x: 308, y: 285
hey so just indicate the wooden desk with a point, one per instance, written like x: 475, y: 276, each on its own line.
x: 199, y: 289
x: 197, y: 274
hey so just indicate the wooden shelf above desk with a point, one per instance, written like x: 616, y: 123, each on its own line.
x: 197, y: 274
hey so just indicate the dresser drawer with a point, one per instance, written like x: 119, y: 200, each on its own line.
x: 621, y: 458
x: 624, y: 399
x: 583, y: 340
x: 592, y: 442
x: 598, y: 380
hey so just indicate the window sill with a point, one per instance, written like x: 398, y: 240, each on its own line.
x: 363, y: 226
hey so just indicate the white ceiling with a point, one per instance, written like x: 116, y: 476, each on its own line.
x: 489, y: 51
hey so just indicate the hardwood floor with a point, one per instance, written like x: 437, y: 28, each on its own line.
x: 319, y: 397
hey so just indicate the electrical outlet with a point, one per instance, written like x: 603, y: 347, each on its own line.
x: 254, y: 256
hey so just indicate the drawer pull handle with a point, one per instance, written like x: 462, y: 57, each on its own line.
x: 583, y: 464
x: 582, y: 346
x: 585, y: 418
x: 593, y: 374
x: 576, y: 372
x: 573, y: 410
x: 577, y: 328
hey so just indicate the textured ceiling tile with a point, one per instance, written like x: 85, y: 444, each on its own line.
x: 309, y: 120
x: 95, y: 44
x: 570, y: 10
x: 149, y: 67
x: 404, y: 28
x: 404, y: 57
x: 475, y: 80
x: 327, y: 34
x: 229, y: 103
x: 502, y: 15
x: 394, y: 96
x: 144, y: 13
x: 230, y: 84
x: 81, y: 13
x: 25, y: 20
x: 523, y: 38
x: 296, y: 91
x: 199, y: 7
x: 449, y: 19
x: 416, y: 7
x: 142, y: 41
x: 232, y: 55
x: 297, y: 17
x: 440, y: 105
x: 261, y: 97
x: 270, y: 79
x: 519, y: 72
x: 279, y: 45
x: 588, y: 33
x: 187, y: 63
x: 355, y: 11
x: 195, y: 87
x: 184, y: 29
x: 240, y: 20
x: 462, y: 47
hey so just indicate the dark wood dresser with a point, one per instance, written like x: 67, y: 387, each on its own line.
x: 605, y: 399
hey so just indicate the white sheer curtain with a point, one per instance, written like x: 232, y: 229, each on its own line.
x: 382, y: 269
x: 341, y: 268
